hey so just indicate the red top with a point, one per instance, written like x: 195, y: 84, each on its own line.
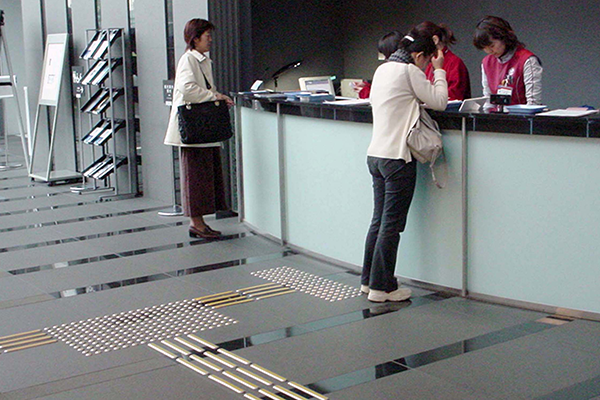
x: 508, y: 74
x: 365, y: 92
x: 457, y: 75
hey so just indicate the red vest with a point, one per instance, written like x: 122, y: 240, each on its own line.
x: 457, y: 76
x: 508, y: 74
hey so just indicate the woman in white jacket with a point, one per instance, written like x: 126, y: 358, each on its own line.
x: 399, y: 86
x: 202, y: 190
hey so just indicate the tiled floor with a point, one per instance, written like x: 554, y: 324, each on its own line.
x: 107, y: 264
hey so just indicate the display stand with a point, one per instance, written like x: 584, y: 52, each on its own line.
x: 8, y: 89
x: 50, y: 91
x: 78, y: 91
x: 109, y: 107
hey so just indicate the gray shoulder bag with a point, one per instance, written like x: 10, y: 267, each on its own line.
x: 425, y: 140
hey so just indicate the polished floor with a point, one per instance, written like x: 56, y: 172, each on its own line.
x: 108, y: 300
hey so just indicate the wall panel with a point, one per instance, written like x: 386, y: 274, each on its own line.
x: 548, y: 30
x: 152, y: 70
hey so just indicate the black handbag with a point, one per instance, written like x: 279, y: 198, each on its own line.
x: 207, y: 122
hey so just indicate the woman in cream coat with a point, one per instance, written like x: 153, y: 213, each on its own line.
x: 399, y: 86
x: 202, y: 187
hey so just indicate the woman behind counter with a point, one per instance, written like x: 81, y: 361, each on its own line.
x: 387, y: 45
x: 202, y: 187
x: 457, y: 75
x: 509, y: 68
x: 398, y: 87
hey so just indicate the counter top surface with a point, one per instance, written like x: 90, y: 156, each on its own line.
x: 531, y: 124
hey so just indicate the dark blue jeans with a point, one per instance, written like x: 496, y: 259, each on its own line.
x: 393, y: 188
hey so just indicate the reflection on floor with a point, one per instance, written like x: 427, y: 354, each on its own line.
x: 109, y: 300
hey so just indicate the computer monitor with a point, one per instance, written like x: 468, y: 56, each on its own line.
x: 317, y: 83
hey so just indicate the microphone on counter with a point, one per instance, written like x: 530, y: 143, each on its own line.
x: 284, y: 69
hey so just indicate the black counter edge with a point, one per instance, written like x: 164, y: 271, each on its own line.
x: 584, y: 127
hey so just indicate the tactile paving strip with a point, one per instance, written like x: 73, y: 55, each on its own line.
x: 131, y: 328
x: 233, y: 372
x: 304, y: 282
x: 245, y: 295
x: 25, y: 340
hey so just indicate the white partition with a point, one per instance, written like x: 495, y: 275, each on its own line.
x: 534, y: 219
x: 533, y: 208
x: 431, y: 249
x: 261, y: 171
x: 329, y: 195
x: 329, y: 199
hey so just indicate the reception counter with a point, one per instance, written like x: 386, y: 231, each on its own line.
x: 516, y: 224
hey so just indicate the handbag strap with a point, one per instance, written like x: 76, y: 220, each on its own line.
x: 409, y: 82
x: 442, y: 154
x: 445, y: 166
x: 208, y: 85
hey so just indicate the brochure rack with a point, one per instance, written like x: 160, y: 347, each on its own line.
x: 110, y: 111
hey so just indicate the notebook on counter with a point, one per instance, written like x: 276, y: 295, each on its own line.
x: 474, y: 104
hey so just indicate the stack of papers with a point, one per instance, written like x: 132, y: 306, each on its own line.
x: 349, y: 102
x: 525, y: 109
x: 569, y: 112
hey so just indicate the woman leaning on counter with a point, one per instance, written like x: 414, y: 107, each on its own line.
x: 202, y: 188
x: 399, y: 86
x: 509, y: 68
x: 457, y: 74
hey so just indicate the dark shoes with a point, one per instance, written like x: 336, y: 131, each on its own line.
x: 211, y: 230
x: 205, y: 233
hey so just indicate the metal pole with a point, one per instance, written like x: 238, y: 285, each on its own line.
x: 239, y: 158
x: 465, y: 215
x: 282, y: 188
x: 52, y: 141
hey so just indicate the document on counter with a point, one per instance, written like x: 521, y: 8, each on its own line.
x: 569, y: 112
x: 349, y: 102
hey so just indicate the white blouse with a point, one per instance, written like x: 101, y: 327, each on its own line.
x: 396, y: 106
x: 190, y: 87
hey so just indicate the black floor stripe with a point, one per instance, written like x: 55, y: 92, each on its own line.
x: 427, y: 357
x: 81, y: 219
x: 12, y: 177
x: 587, y: 389
x: 19, y: 187
x: 91, y: 237
x: 32, y: 197
x: 167, y: 275
x: 54, y: 207
x: 99, y: 287
x: 130, y: 253
x: 330, y: 322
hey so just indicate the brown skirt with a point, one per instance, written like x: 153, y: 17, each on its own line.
x: 202, y: 188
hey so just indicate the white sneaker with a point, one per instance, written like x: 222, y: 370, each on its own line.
x: 379, y: 296
x: 364, y: 289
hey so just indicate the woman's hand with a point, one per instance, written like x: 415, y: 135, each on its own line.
x: 224, y: 98
x: 438, y: 60
x: 358, y: 86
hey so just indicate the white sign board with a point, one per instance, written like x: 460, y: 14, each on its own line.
x: 52, y: 74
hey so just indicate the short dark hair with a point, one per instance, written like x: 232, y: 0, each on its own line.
x: 417, y: 41
x: 388, y: 43
x: 491, y: 27
x: 442, y: 31
x: 193, y: 29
